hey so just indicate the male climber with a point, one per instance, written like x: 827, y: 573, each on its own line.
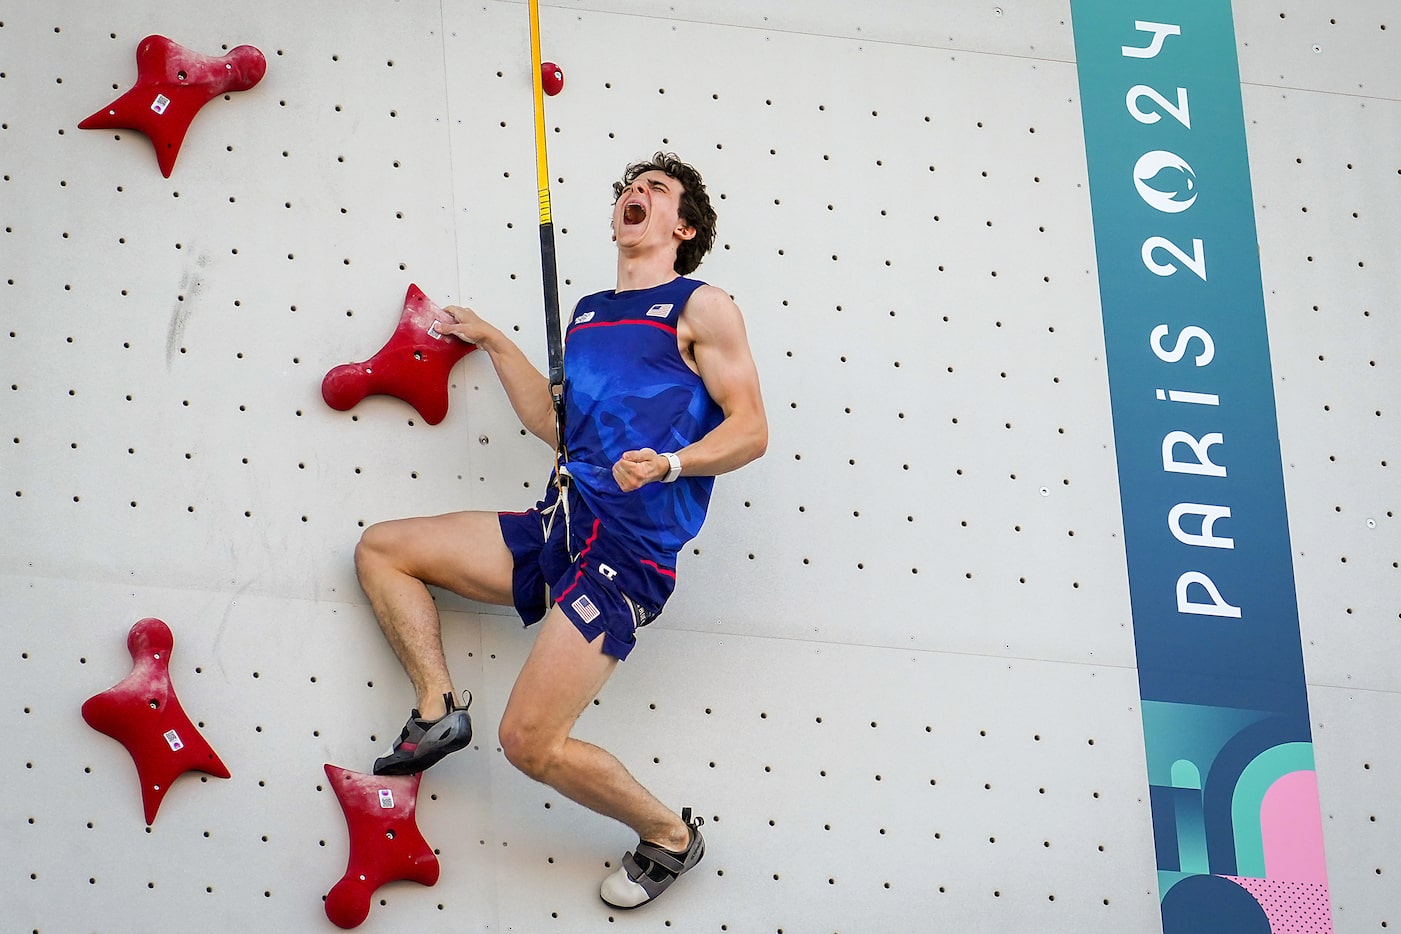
x: 661, y: 394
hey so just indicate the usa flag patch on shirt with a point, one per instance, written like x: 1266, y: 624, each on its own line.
x: 659, y: 311
x: 585, y: 608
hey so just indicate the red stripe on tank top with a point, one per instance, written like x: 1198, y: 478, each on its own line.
x: 613, y: 324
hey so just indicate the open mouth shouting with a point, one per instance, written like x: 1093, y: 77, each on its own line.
x: 634, y: 212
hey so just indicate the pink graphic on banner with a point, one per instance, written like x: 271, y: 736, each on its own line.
x: 1292, y: 907
x: 1292, y: 830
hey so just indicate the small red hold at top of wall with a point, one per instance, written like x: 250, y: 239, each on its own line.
x: 551, y: 78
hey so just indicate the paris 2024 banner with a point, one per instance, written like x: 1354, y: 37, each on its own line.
x: 1234, y: 797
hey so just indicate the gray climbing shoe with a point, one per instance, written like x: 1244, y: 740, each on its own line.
x: 424, y: 742
x: 650, y: 870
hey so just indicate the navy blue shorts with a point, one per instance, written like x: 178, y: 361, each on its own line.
x: 598, y: 580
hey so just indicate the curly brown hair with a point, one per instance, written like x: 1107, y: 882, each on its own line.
x: 695, y: 209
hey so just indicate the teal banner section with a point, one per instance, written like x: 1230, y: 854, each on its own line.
x: 1234, y: 798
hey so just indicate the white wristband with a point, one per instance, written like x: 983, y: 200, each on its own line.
x: 675, y: 470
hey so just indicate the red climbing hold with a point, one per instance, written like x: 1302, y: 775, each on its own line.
x: 385, y: 842
x: 144, y: 715
x: 551, y: 78
x: 172, y: 84
x: 413, y: 365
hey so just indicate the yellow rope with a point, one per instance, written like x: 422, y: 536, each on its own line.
x: 542, y: 169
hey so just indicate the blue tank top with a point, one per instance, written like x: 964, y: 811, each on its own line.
x: 626, y: 387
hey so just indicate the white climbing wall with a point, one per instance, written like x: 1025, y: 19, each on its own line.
x: 898, y: 677
x: 1323, y: 111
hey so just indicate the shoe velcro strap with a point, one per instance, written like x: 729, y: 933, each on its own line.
x: 664, y: 858
x: 638, y: 876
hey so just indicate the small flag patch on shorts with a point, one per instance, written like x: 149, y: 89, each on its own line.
x: 585, y: 608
